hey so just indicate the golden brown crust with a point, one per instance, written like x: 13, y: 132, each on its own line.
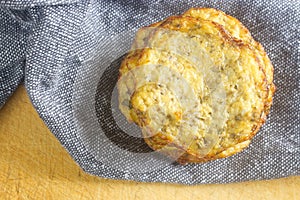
x: 244, y: 40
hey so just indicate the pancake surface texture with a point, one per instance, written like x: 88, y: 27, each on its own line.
x: 198, y: 85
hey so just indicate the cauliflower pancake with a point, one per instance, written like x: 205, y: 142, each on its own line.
x: 196, y: 91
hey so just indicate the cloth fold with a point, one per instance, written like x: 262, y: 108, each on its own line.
x: 67, y: 51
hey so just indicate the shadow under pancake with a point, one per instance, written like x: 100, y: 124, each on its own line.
x: 104, y: 113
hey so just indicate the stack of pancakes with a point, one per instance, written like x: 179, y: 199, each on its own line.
x: 198, y: 85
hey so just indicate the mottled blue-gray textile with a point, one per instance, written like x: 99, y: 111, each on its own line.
x: 68, y: 52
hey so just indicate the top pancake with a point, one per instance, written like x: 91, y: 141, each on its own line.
x: 236, y: 30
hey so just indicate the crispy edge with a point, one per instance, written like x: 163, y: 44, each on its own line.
x: 139, y: 43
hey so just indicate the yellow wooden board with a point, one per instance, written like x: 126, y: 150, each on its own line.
x: 33, y: 165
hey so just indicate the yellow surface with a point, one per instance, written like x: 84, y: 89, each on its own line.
x: 33, y: 165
